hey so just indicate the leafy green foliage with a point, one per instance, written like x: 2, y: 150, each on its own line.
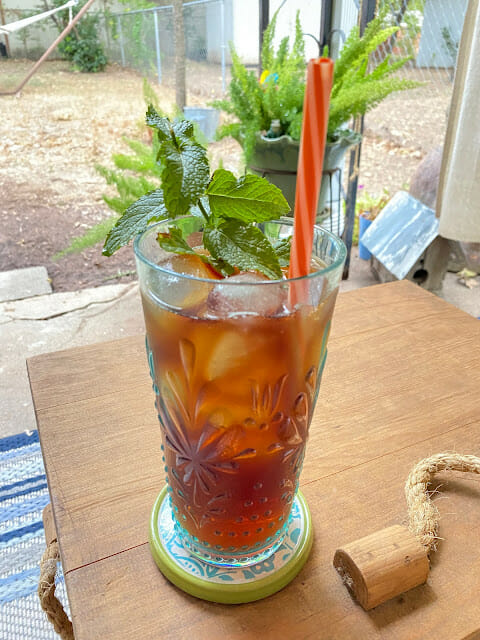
x: 171, y: 177
x: 282, y: 249
x: 280, y: 97
x: 93, y: 236
x: 134, y: 175
x: 361, y: 81
x: 185, y: 169
x: 369, y: 206
x: 242, y: 246
x: 175, y: 242
x: 248, y: 198
x: 149, y: 208
x: 82, y: 45
x: 229, y: 206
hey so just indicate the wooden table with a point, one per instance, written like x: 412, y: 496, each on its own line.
x: 402, y: 382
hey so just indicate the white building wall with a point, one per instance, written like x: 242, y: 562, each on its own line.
x: 309, y: 20
x: 245, y: 29
x: 33, y: 40
x: 241, y: 25
x: 439, y: 15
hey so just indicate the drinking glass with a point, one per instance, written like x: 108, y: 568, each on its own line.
x: 236, y: 365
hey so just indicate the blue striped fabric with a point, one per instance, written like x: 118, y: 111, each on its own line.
x: 23, y: 496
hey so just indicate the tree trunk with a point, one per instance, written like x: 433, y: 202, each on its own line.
x: 179, y: 37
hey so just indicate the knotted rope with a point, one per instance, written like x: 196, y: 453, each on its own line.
x: 46, y: 592
x: 423, y: 514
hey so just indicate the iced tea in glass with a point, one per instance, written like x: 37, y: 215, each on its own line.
x: 236, y: 367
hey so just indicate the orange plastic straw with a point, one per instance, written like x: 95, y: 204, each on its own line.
x: 310, y: 162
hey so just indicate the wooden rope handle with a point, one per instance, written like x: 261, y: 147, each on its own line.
x: 423, y: 514
x: 46, y: 592
x: 46, y: 585
x: 389, y: 562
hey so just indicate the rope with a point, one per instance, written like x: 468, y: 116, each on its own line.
x: 9, y: 28
x: 423, y: 514
x: 46, y: 592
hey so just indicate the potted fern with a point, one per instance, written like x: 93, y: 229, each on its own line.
x: 265, y: 115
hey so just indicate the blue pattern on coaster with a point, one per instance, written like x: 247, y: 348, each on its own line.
x: 238, y: 575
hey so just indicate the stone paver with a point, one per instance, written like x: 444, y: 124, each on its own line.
x: 51, y: 323
x: 24, y: 283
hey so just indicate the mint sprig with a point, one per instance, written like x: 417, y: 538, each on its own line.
x: 230, y: 206
x: 245, y: 247
x: 248, y: 198
x: 147, y: 209
x: 282, y: 249
x: 175, y: 242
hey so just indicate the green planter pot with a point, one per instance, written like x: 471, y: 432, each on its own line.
x: 276, y: 159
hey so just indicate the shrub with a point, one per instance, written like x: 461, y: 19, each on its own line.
x: 82, y: 45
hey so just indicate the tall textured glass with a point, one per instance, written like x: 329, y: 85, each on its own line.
x: 236, y: 365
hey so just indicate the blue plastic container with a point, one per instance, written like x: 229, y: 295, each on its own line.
x: 206, y: 118
x: 363, y: 224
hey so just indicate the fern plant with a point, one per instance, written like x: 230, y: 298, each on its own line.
x: 134, y: 175
x: 278, y: 95
x: 360, y: 83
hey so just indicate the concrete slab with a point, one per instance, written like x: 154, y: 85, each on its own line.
x: 24, y: 283
x: 456, y: 293
x: 453, y: 290
x: 51, y: 323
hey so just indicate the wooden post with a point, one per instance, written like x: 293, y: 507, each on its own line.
x: 382, y: 565
x: 179, y: 37
x: 2, y: 18
x: 263, y: 19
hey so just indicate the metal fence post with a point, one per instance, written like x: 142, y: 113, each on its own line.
x: 157, y: 47
x: 120, y: 33
x: 222, y: 45
x: 367, y: 13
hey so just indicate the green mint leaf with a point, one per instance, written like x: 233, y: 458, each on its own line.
x: 162, y: 125
x: 282, y: 249
x: 174, y: 241
x: 135, y: 219
x: 185, y: 175
x: 224, y: 268
x: 250, y: 198
x: 196, y: 211
x: 243, y: 246
x: 184, y: 129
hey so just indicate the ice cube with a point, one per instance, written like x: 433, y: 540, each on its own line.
x: 187, y: 264
x: 229, y: 351
x: 236, y: 296
x: 184, y: 293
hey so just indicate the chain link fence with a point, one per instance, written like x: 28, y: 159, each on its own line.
x: 144, y: 40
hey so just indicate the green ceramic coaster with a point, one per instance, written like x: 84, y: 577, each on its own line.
x: 224, y: 584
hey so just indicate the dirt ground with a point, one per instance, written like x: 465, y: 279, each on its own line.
x: 64, y: 123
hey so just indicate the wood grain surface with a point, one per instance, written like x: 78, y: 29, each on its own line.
x: 401, y: 383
